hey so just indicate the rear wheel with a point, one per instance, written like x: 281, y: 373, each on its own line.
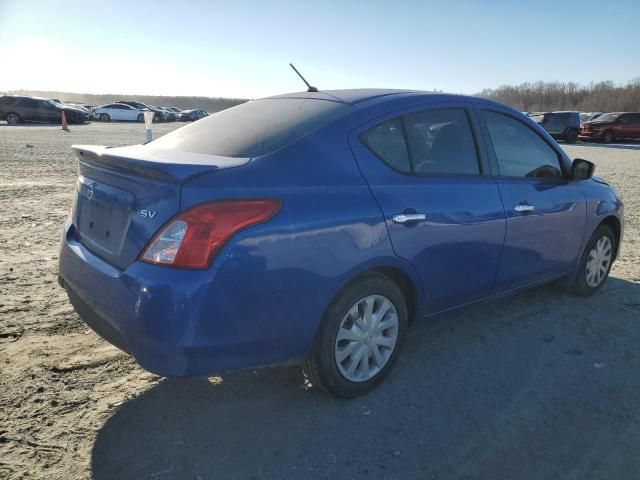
x: 359, y: 339
x: 571, y: 136
x: 607, y: 137
x: 13, y: 118
x: 104, y: 117
x: 596, y: 261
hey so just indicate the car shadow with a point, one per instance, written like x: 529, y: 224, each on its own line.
x: 537, y: 385
x: 626, y: 146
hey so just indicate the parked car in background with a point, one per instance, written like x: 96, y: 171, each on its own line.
x: 560, y: 125
x: 16, y: 109
x: 158, y: 114
x: 87, y: 112
x: 588, y: 116
x: 609, y: 127
x: 119, y: 112
x: 169, y: 116
x: 193, y: 115
x: 175, y: 110
x: 314, y: 227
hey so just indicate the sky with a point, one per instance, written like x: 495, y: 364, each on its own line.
x: 243, y: 48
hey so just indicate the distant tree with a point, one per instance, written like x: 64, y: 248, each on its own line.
x: 540, y: 96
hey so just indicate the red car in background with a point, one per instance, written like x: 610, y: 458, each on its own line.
x: 612, y: 126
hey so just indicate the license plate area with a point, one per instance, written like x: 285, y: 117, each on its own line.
x: 103, y: 214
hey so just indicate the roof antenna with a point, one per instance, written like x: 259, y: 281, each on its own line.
x: 310, y: 88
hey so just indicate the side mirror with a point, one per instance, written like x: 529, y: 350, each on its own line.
x: 582, y: 169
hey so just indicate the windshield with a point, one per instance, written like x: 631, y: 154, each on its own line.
x: 253, y: 128
x: 608, y: 117
x: 537, y: 118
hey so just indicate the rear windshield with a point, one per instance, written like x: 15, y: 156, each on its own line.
x: 254, y: 128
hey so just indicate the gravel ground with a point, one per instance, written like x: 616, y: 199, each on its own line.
x: 537, y: 385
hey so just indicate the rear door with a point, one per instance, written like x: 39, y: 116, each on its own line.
x: 442, y: 213
x: 28, y: 109
x: 545, y: 212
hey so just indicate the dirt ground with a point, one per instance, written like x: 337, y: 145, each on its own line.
x: 539, y: 385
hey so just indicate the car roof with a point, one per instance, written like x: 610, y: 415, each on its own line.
x: 351, y: 96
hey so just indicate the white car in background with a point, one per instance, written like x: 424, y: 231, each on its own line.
x: 119, y: 111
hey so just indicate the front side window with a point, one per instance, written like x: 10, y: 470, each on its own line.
x: 520, y: 152
x: 608, y: 117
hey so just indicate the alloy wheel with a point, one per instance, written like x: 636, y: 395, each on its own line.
x: 598, y: 261
x: 366, y: 338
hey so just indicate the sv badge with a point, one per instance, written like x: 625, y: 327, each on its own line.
x: 148, y: 213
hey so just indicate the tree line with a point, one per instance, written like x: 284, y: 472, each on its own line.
x: 550, y: 96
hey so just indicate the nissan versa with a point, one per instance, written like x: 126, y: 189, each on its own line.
x: 314, y: 227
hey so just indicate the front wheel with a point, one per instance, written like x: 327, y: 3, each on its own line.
x: 141, y: 117
x: 596, y: 261
x: 104, y: 117
x: 607, y: 137
x: 571, y: 136
x: 359, y: 339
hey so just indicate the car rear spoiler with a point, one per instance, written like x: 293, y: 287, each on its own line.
x: 163, y: 165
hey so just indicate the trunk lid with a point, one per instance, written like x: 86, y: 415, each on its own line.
x: 124, y: 195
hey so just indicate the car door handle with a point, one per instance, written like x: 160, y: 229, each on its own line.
x: 524, y: 208
x: 408, y: 217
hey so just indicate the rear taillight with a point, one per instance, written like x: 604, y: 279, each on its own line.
x: 194, y: 237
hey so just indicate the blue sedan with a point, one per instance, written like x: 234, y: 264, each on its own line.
x: 315, y: 227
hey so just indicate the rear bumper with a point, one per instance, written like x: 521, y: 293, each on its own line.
x: 174, y: 322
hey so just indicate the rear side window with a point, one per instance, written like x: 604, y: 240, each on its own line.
x: 254, y: 128
x: 441, y: 142
x: 387, y: 141
x: 27, y: 102
x: 428, y: 142
x: 519, y: 150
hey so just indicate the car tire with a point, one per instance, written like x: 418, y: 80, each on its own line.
x: 141, y: 118
x: 596, y: 262
x: 607, y: 137
x: 13, y: 118
x: 571, y: 136
x: 348, y: 366
x: 104, y: 117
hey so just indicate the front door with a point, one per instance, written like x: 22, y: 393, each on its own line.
x: 628, y: 126
x: 545, y: 212
x: 442, y: 214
